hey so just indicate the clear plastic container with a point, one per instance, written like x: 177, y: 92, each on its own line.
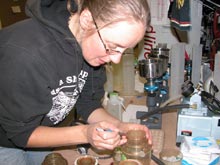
x: 128, y: 73
x: 137, y: 147
x: 117, y: 76
x: 114, y: 105
x: 171, y: 156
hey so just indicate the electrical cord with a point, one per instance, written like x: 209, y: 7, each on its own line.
x: 162, y: 109
x: 171, y: 100
x: 157, y: 160
x: 212, y: 103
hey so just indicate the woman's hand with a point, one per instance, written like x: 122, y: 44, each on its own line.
x: 104, y: 135
x: 125, y: 127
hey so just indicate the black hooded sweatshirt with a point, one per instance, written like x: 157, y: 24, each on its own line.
x: 43, y: 74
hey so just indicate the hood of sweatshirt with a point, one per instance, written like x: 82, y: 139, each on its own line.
x: 52, y: 13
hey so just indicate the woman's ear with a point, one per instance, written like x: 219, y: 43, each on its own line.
x: 86, y: 21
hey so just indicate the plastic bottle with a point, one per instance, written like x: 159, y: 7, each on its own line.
x: 114, y: 105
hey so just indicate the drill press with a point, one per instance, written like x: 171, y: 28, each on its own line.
x: 155, y: 70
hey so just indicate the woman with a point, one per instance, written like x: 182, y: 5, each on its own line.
x: 53, y: 62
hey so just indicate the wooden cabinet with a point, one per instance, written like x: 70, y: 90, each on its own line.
x: 12, y: 11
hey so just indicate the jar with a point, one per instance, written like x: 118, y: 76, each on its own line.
x: 86, y: 160
x: 130, y: 162
x: 117, y: 156
x: 137, y: 147
x: 54, y: 159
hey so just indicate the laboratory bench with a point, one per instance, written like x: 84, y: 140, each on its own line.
x: 162, y: 138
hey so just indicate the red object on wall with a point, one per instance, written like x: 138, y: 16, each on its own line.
x: 216, y: 42
x: 215, y: 24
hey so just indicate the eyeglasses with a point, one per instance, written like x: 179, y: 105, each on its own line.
x: 107, y: 50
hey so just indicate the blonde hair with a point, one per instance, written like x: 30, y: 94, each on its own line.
x: 109, y: 11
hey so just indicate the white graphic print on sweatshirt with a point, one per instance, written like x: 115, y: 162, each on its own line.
x: 63, y: 102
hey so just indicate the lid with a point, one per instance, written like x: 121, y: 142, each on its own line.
x: 113, y: 96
